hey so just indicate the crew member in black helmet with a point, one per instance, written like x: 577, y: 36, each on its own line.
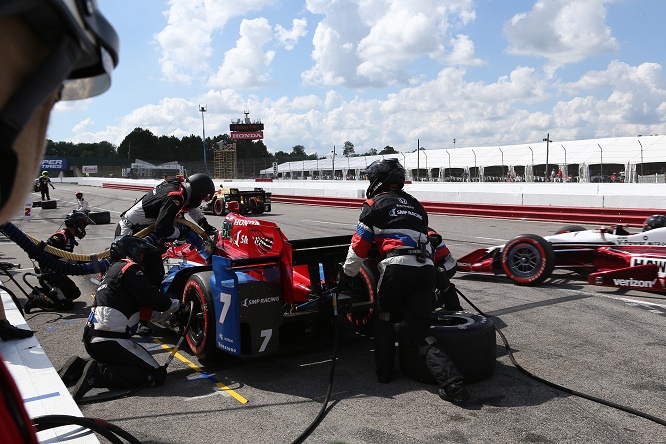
x: 398, y: 224
x: 162, y: 205
x: 117, y: 360
x: 64, y: 290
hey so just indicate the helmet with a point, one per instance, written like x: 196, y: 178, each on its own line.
x: 79, y: 221
x: 79, y: 195
x: 55, y: 49
x: 382, y: 173
x: 45, y: 173
x: 654, y: 221
x: 199, y: 187
x: 135, y: 248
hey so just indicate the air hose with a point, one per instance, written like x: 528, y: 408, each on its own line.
x: 50, y: 257
x: 108, y: 430
x: 560, y: 387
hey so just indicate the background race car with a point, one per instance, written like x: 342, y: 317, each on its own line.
x: 608, y: 256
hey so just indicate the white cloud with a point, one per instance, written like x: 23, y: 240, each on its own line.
x: 562, y: 31
x: 247, y: 65
x: 289, y: 37
x: 82, y: 125
x: 186, y: 41
x: 373, y: 42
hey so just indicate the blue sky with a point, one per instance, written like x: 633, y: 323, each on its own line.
x: 381, y: 72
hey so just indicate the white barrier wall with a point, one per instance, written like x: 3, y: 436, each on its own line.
x: 603, y: 195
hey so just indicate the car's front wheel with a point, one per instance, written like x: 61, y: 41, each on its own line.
x: 528, y: 259
x: 201, y: 335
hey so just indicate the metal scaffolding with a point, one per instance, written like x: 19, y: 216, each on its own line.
x: 225, y: 161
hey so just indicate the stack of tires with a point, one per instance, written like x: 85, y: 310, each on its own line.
x: 467, y: 338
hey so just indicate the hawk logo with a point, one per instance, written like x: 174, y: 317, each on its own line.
x: 263, y: 243
x: 393, y: 213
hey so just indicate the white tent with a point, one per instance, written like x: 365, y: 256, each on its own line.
x: 582, y: 160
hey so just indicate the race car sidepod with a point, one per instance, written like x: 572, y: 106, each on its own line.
x: 248, y: 311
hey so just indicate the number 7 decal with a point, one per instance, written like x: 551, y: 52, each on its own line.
x: 225, y: 298
x: 266, y: 334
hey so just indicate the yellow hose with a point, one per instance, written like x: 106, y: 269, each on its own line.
x: 104, y: 254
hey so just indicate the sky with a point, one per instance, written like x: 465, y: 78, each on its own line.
x: 403, y: 73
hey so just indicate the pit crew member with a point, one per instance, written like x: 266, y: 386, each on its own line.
x: 44, y: 182
x: 81, y: 203
x: 163, y: 204
x: 117, y: 360
x: 398, y: 223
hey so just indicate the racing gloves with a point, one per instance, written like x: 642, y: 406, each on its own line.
x: 208, y: 228
x: 8, y: 331
x: 345, y: 282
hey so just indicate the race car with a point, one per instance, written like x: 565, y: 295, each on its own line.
x: 250, y: 285
x: 256, y: 201
x: 608, y: 256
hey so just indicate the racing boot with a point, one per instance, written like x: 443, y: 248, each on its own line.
x: 87, y: 382
x: 72, y: 371
x: 455, y: 393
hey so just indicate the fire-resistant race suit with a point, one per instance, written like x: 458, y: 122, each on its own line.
x: 121, y: 362
x: 398, y: 224
x: 63, y: 240
x: 161, y: 206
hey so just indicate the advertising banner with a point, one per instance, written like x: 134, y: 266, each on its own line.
x: 253, y: 135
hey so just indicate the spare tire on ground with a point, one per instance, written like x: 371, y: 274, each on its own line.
x: 467, y: 338
x: 100, y: 217
x: 49, y: 204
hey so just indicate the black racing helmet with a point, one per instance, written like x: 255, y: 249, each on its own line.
x: 135, y: 248
x: 79, y: 221
x: 200, y: 187
x: 381, y: 174
x: 654, y: 221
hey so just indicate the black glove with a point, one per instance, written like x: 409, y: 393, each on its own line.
x: 8, y: 331
x: 345, y: 282
x: 208, y: 228
x: 448, y: 299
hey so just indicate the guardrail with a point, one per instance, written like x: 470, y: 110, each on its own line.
x: 604, y: 216
x: 590, y: 215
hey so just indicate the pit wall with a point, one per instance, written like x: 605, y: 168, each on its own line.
x: 599, y: 204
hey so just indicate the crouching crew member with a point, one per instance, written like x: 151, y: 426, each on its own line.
x: 117, y: 360
x: 61, y: 288
x: 81, y: 203
x: 398, y: 224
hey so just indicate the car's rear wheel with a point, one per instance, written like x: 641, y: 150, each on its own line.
x: 528, y: 259
x: 218, y: 207
x: 570, y: 229
x: 363, y: 291
x: 468, y: 339
x: 201, y: 335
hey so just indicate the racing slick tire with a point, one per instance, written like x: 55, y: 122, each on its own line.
x: 570, y: 229
x: 201, y: 335
x: 467, y: 338
x: 100, y: 217
x: 49, y: 204
x: 218, y: 207
x: 253, y: 205
x: 528, y: 259
x: 364, y: 290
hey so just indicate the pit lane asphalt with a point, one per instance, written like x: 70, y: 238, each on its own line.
x: 605, y: 342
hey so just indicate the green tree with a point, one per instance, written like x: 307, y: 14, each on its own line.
x: 298, y: 152
x: 371, y: 152
x: 348, y: 150
x: 140, y: 144
x: 388, y: 150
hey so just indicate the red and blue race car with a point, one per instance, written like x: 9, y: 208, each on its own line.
x: 609, y: 256
x: 250, y: 284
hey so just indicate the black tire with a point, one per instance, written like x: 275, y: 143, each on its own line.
x: 201, y: 336
x: 528, y: 259
x: 252, y: 205
x: 49, y: 204
x: 100, y: 217
x: 218, y: 207
x: 364, y: 290
x: 467, y: 338
x: 570, y: 229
